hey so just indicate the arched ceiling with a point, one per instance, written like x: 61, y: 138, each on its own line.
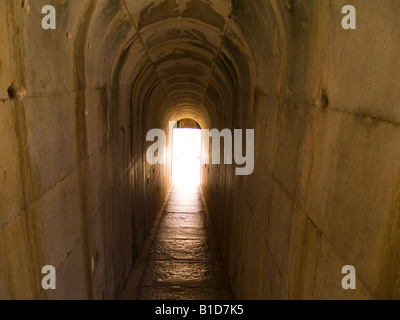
x: 175, y: 57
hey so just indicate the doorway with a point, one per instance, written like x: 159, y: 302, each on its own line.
x: 186, y: 157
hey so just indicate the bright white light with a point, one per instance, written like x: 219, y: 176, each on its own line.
x: 186, y: 153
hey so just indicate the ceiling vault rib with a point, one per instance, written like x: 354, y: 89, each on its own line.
x: 217, y: 56
x: 147, y: 53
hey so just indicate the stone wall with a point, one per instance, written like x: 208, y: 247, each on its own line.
x: 325, y: 190
x: 75, y: 186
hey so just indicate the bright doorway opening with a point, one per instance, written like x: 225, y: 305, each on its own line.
x: 186, y: 157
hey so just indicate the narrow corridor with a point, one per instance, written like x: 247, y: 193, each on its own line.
x: 88, y: 115
x: 183, y: 261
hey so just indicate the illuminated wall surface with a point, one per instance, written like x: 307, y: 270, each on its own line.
x: 318, y: 82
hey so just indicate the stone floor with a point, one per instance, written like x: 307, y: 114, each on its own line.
x: 182, y: 261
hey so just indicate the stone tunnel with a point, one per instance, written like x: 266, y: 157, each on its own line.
x: 77, y: 101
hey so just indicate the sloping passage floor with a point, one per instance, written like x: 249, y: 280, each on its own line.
x: 183, y: 263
